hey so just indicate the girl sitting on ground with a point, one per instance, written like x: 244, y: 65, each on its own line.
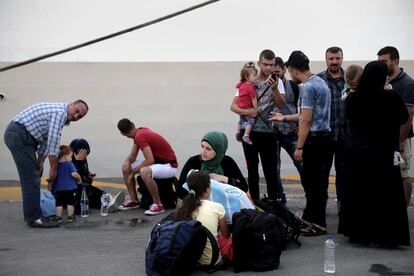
x: 196, y: 206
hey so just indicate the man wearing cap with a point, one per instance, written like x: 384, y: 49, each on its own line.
x: 314, y: 132
x: 335, y: 79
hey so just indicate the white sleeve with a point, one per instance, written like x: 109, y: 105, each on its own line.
x: 237, y: 93
x: 280, y: 87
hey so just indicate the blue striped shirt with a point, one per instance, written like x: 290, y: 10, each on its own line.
x: 44, y: 121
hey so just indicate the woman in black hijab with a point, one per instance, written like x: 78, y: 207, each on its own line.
x: 373, y: 210
x: 81, y: 150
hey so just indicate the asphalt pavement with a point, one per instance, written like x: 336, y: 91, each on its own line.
x: 115, y: 244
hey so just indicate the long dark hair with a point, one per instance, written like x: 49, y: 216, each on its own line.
x: 198, y: 183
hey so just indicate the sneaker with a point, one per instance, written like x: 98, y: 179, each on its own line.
x: 129, y: 204
x: 238, y: 136
x: 57, y: 220
x: 116, y: 201
x: 155, y: 209
x: 247, y: 140
x: 71, y: 219
x: 52, y: 217
x: 43, y: 223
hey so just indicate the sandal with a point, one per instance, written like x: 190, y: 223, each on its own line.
x: 302, y: 223
x: 313, y: 230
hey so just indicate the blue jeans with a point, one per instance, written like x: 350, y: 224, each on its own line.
x: 23, y: 148
x: 288, y: 143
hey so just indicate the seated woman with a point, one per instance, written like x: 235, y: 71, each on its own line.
x: 228, y: 185
x: 197, y: 206
x: 81, y: 150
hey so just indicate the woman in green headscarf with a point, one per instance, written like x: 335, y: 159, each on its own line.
x: 213, y: 160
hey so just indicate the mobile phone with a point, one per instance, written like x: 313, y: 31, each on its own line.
x: 274, y: 76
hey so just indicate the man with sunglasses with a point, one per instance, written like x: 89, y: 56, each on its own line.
x: 286, y: 132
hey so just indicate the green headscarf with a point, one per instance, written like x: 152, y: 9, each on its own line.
x: 218, y: 141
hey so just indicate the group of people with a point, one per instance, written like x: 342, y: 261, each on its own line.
x: 338, y: 118
x: 359, y: 119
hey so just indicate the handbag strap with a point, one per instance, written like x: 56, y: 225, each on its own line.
x: 264, y: 92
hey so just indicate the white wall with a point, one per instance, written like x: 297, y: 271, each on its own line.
x: 229, y: 30
x: 182, y: 101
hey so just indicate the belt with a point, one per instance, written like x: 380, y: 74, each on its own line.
x: 320, y: 134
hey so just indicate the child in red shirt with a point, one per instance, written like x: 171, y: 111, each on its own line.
x: 246, y: 98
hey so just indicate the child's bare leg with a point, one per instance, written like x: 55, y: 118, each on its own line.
x: 238, y: 135
x: 71, y: 210
x: 59, y: 211
x: 248, y: 129
x: 246, y: 136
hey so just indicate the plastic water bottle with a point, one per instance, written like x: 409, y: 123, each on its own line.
x: 84, y: 203
x: 329, y: 264
x: 105, y: 199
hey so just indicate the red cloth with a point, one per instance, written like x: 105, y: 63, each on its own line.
x: 226, y: 247
x: 160, y: 148
x: 246, y: 93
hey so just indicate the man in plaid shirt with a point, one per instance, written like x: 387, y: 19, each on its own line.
x: 334, y: 78
x: 38, y: 129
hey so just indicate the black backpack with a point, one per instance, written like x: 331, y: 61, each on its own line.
x: 166, y: 190
x: 258, y: 240
x: 291, y: 223
x: 175, y: 247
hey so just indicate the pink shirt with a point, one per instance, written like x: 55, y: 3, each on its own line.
x: 247, y: 92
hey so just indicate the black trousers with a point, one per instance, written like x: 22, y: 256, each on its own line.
x: 315, y: 181
x: 265, y: 146
x: 336, y: 150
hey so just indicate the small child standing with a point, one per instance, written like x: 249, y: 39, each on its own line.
x: 64, y: 187
x: 246, y: 99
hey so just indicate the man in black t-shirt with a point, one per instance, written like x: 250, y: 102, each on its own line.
x: 403, y: 84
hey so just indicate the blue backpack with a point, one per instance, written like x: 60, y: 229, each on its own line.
x: 175, y: 247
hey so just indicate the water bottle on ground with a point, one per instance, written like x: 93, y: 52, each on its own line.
x: 84, y: 203
x: 105, y: 200
x: 329, y: 263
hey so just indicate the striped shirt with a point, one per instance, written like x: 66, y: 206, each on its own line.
x: 44, y: 121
